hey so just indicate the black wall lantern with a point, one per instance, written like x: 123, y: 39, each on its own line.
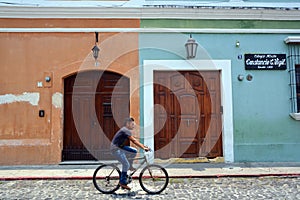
x: 191, y: 47
x: 96, y: 49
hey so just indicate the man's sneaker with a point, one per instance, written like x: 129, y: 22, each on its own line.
x: 124, y: 186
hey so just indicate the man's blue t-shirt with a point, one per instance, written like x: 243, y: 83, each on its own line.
x: 120, y: 138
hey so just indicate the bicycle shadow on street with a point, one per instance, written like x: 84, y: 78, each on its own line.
x: 138, y: 194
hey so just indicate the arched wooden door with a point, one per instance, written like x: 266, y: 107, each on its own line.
x: 95, y: 105
x: 188, y: 121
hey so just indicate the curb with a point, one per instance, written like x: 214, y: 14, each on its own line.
x: 27, y: 178
x: 238, y: 176
x: 292, y: 175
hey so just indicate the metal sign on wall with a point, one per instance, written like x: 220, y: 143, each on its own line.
x: 265, y: 61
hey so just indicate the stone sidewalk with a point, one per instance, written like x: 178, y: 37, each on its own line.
x: 175, y: 170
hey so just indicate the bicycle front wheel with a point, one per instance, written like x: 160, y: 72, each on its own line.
x: 106, y: 178
x: 153, y: 179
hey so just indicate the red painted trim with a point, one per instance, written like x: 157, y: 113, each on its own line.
x: 136, y: 177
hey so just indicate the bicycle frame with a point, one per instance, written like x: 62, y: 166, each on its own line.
x: 144, y: 158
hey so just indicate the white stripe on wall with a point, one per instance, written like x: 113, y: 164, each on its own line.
x: 147, y: 30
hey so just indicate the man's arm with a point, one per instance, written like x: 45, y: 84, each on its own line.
x: 136, y: 142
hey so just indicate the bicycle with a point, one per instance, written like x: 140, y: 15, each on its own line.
x: 153, y: 178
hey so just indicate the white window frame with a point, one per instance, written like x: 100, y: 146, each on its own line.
x: 293, y: 60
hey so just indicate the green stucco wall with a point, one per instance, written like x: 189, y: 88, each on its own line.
x: 263, y: 129
x: 212, y: 23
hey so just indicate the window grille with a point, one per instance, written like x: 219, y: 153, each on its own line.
x: 294, y: 70
x: 297, y: 72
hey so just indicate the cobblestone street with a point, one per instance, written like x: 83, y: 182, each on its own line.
x: 196, y: 188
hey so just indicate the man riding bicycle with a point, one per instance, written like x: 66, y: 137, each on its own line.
x: 124, y: 153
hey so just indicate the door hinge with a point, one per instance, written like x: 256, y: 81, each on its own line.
x: 221, y: 109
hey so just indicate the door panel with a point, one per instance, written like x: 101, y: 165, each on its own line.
x: 187, y: 120
x: 89, y: 118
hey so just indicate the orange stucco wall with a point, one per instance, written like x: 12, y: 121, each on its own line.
x: 68, y: 23
x: 27, y: 58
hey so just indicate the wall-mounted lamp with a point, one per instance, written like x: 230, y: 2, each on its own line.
x: 237, y: 44
x: 191, y: 47
x: 96, y: 49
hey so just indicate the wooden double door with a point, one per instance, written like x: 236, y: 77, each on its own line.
x: 95, y: 105
x: 187, y: 120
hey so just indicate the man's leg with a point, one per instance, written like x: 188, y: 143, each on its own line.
x: 121, y: 157
x: 130, y: 154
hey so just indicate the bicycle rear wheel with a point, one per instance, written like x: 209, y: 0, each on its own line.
x: 153, y: 179
x: 106, y: 178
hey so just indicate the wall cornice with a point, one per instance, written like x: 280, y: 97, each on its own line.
x: 149, y: 13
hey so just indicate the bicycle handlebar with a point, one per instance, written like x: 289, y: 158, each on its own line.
x: 150, y: 150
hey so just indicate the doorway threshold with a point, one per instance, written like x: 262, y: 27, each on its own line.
x: 190, y: 160
x: 88, y: 162
x: 80, y: 162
